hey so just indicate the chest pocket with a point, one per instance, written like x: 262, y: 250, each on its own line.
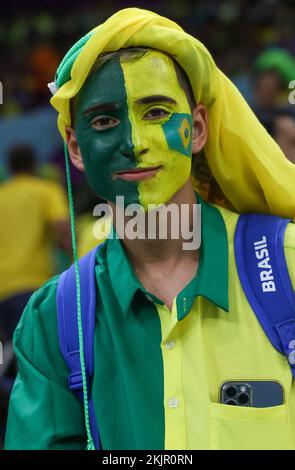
x: 245, y: 428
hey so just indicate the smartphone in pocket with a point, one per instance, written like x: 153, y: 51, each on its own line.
x: 255, y: 393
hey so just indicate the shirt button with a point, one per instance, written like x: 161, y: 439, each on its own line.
x: 173, y: 403
x: 170, y: 345
x: 148, y: 297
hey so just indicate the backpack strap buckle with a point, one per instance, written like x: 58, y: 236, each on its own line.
x: 76, y: 382
x: 286, y: 331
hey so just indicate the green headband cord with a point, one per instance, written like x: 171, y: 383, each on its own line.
x: 62, y: 76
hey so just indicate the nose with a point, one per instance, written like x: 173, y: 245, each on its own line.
x: 127, y: 146
x: 128, y: 153
x: 141, y: 146
x: 133, y: 150
x: 132, y: 153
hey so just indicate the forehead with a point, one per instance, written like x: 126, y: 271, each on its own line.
x: 104, y: 85
x: 152, y: 74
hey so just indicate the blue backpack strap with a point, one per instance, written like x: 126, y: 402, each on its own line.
x: 67, y: 321
x: 263, y: 272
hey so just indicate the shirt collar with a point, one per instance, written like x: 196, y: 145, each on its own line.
x: 210, y: 281
x: 122, y: 276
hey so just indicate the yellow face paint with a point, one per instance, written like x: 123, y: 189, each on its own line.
x: 161, y: 123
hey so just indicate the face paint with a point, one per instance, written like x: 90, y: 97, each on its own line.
x: 148, y: 127
x: 106, y: 149
x: 165, y: 140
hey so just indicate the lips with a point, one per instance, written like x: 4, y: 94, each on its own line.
x: 137, y: 174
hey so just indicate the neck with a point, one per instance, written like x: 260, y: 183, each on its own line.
x: 157, y: 250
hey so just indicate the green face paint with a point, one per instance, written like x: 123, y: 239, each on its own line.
x: 143, y: 122
x: 106, y: 149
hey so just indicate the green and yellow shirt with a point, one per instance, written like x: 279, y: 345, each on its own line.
x: 157, y: 372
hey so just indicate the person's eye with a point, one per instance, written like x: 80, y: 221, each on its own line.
x: 156, y: 113
x: 101, y: 123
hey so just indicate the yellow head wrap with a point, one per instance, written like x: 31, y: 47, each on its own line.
x: 248, y: 165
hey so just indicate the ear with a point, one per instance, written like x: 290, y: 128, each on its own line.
x: 200, y: 128
x: 74, y: 149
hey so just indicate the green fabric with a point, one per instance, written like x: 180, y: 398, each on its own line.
x: 43, y: 414
x: 279, y: 59
x: 128, y: 384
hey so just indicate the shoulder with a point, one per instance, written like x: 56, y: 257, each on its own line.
x: 289, y: 246
x: 290, y: 237
x: 230, y: 219
x: 41, y: 303
x: 36, y: 336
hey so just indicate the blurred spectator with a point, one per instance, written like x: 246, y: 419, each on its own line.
x: 7, y: 375
x: 275, y: 69
x: 278, y: 60
x: 91, y: 230
x: 35, y: 36
x: 282, y: 128
x: 284, y: 133
x: 33, y: 216
x: 4, y: 400
x: 43, y: 61
x: 268, y: 89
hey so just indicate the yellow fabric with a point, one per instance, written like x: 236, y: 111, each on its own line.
x: 248, y: 165
x: 212, y: 346
x: 28, y: 205
x: 91, y: 233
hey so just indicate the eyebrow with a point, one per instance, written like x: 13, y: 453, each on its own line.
x: 155, y: 99
x: 101, y: 106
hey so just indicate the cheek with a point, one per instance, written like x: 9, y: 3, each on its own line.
x: 178, y: 133
x: 157, y: 143
x: 149, y: 136
x: 175, y: 135
x: 167, y: 182
x: 96, y: 149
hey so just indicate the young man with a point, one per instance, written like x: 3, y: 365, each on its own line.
x: 172, y: 325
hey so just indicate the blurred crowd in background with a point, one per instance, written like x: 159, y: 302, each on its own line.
x: 253, y: 42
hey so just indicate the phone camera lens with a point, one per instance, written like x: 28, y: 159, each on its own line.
x: 231, y: 402
x: 231, y: 391
x: 243, y: 399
